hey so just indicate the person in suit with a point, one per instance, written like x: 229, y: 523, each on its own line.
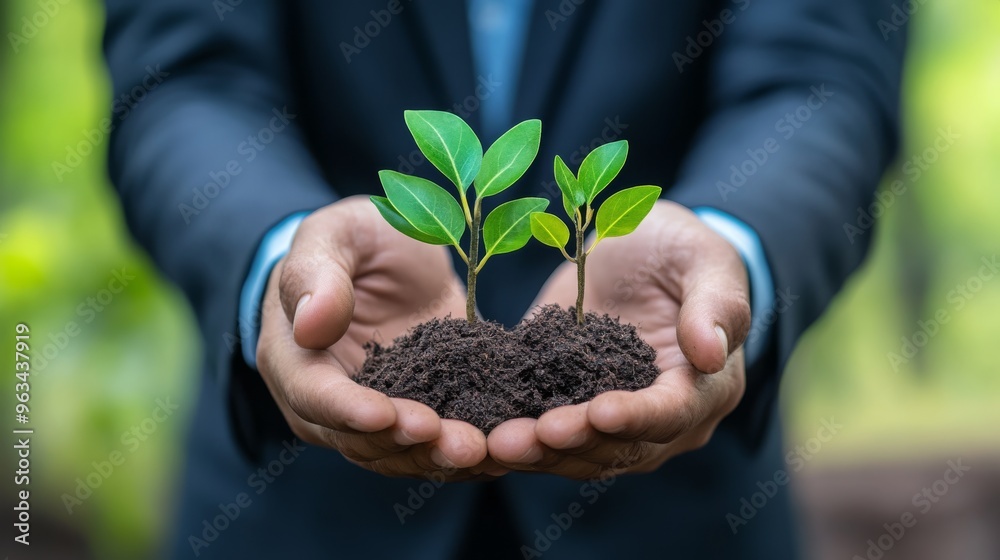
x: 768, y: 122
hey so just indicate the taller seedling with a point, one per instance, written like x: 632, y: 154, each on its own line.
x: 426, y: 212
x: 620, y: 214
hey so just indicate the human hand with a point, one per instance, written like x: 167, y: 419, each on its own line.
x: 348, y: 278
x: 686, y: 290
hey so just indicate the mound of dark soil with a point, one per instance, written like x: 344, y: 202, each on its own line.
x: 483, y: 374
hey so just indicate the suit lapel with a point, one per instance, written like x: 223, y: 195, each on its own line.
x: 554, y: 34
x: 440, y: 32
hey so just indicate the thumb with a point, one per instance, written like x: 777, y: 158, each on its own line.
x: 316, y: 287
x: 714, y: 317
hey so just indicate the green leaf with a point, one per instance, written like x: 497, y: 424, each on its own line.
x: 573, y: 196
x: 550, y: 230
x: 622, y: 212
x: 508, y: 158
x: 601, y: 166
x: 397, y: 221
x: 426, y: 206
x: 508, y: 227
x: 448, y: 143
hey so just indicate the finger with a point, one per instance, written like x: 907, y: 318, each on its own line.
x: 316, y: 287
x: 568, y: 431
x: 312, y: 386
x: 416, y: 423
x: 514, y: 442
x: 514, y: 445
x: 321, y: 393
x: 659, y: 413
x: 715, y: 315
x: 362, y: 447
x: 461, y: 445
x: 416, y: 462
x: 565, y: 427
x: 489, y: 467
x: 598, y: 455
x: 564, y: 465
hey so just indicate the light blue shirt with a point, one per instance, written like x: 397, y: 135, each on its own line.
x: 499, y: 30
x: 498, y: 35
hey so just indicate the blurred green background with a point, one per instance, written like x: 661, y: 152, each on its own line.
x: 62, y: 240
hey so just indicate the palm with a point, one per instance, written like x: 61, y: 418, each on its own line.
x: 622, y: 282
x: 402, y: 284
x: 675, y: 280
x: 349, y: 278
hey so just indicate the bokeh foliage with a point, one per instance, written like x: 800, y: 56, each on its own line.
x: 61, y: 241
x: 931, y: 239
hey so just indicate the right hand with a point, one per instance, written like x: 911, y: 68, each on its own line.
x: 350, y: 278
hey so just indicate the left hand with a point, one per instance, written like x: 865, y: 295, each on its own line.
x: 686, y: 290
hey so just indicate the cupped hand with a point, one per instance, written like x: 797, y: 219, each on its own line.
x: 350, y: 278
x: 686, y: 290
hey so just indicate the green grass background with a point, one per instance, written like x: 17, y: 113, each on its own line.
x: 60, y: 242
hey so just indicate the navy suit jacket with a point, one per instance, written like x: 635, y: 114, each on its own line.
x: 704, y: 91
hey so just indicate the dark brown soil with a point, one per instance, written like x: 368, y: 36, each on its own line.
x: 484, y: 374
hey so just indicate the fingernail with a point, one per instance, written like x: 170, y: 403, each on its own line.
x: 724, y: 340
x: 531, y: 455
x: 403, y: 438
x: 577, y: 439
x: 302, y: 303
x: 440, y: 460
x: 497, y: 472
x: 298, y: 308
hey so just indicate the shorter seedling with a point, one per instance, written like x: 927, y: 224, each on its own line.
x: 620, y: 214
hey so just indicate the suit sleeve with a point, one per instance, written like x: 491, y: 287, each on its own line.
x: 206, y: 155
x: 804, y: 118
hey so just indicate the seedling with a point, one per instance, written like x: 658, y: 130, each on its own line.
x: 620, y: 214
x: 426, y: 212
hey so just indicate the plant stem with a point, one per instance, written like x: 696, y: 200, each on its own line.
x: 470, y: 300
x: 581, y: 262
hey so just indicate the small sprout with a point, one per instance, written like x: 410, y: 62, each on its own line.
x: 620, y: 214
x: 426, y: 212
